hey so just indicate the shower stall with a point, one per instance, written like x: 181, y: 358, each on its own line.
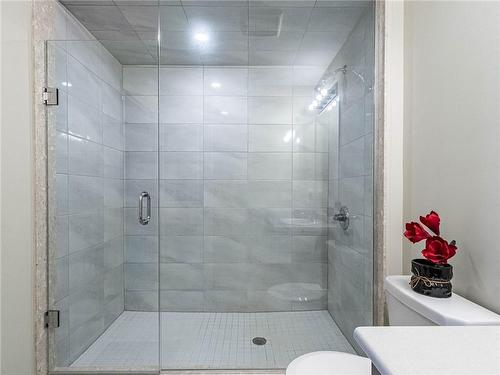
x: 210, y: 182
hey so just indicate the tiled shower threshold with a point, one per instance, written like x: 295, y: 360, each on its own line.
x: 94, y: 371
x: 215, y: 343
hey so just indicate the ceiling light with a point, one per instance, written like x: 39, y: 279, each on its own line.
x: 224, y: 113
x: 327, y: 98
x: 216, y: 85
x: 201, y: 37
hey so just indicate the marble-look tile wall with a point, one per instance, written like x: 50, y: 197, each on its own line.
x: 350, y: 253
x: 88, y: 282
x: 243, y: 172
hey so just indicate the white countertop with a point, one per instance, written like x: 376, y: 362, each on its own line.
x: 432, y: 350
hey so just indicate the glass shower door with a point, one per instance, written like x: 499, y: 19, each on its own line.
x: 192, y: 186
x: 102, y: 212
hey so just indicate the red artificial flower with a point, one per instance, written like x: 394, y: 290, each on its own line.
x: 431, y: 221
x: 437, y: 250
x: 415, y: 232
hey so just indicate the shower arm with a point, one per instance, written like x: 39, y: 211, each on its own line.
x: 345, y: 69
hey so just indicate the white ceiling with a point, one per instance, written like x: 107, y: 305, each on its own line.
x: 239, y: 32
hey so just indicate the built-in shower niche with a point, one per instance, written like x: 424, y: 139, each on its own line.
x: 244, y: 179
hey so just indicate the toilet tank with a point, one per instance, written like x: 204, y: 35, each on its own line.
x: 407, y: 308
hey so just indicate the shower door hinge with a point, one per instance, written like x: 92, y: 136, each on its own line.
x: 50, y: 96
x: 52, y: 319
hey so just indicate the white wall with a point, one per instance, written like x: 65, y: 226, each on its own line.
x: 393, y: 142
x: 16, y: 190
x: 452, y: 129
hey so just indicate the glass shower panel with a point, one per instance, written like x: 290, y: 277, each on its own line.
x: 243, y: 189
x: 350, y: 249
x: 96, y: 244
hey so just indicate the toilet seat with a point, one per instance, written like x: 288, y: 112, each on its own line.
x: 329, y: 363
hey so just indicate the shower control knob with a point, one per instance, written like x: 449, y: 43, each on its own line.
x: 342, y: 217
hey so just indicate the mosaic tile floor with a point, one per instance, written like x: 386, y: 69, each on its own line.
x: 213, y: 340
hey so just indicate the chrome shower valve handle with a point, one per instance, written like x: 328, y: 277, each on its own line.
x: 342, y: 217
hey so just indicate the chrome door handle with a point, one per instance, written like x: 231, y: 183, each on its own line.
x: 144, y: 220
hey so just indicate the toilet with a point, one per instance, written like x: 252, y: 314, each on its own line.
x: 405, y: 308
x: 329, y: 363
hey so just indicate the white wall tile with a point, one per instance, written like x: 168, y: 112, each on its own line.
x: 84, y: 121
x: 183, y: 137
x: 181, y: 81
x: 181, y: 193
x: 269, y: 166
x: 270, y: 81
x: 304, y: 138
x: 225, y: 165
x: 85, y: 84
x: 85, y: 193
x: 111, y: 69
x: 61, y: 152
x: 113, y: 163
x: 310, y: 193
x: 112, y: 132
x: 181, y: 249
x: 88, y: 53
x: 141, y: 109
x: 141, y: 137
x: 269, y: 138
x: 85, y: 157
x: 181, y: 165
x: 85, y: 230
x: 181, y: 109
x: 310, y: 166
x: 140, y: 80
x: 225, y: 81
x: 225, y: 138
x: 141, y: 276
x: 181, y: 221
x: 301, y: 112
x: 141, y: 165
x: 269, y: 110
x: 225, y: 110
x: 111, y: 101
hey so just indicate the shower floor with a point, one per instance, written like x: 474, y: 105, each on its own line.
x: 213, y: 340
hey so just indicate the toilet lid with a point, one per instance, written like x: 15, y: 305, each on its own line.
x: 329, y: 363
